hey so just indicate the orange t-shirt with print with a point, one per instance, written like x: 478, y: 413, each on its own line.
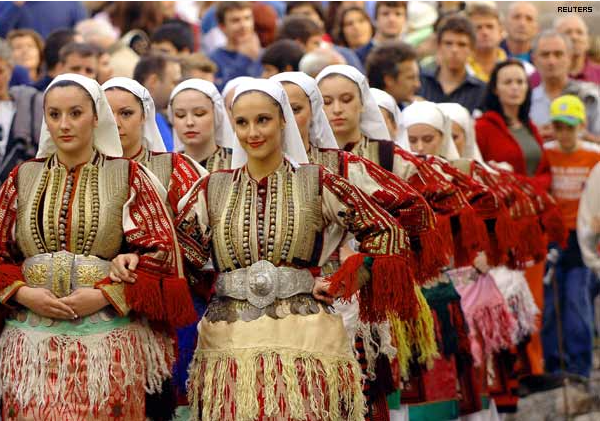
x: 569, y: 174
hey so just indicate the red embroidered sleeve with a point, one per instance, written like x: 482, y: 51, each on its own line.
x: 183, y: 177
x: 11, y: 278
x: 160, y: 292
x: 383, y: 242
x: 404, y: 203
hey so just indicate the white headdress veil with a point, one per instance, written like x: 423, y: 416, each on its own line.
x: 425, y: 112
x: 321, y: 135
x: 151, y: 135
x: 461, y: 116
x: 223, y: 132
x: 292, y: 141
x: 233, y: 83
x: 105, y: 136
x: 372, y: 123
x: 387, y: 102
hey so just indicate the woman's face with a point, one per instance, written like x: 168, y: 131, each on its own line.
x: 258, y: 124
x: 70, y: 118
x: 130, y: 118
x: 25, y: 52
x: 424, y: 139
x: 511, y: 86
x: 357, y: 29
x: 105, y: 69
x: 193, y: 117
x: 342, y: 103
x: 389, y: 122
x: 301, y: 108
x: 460, y: 138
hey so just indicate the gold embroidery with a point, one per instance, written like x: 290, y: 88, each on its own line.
x: 161, y: 166
x: 115, y: 294
x: 88, y: 275
x: 9, y: 291
x: 31, y: 175
x: 36, y: 275
x: 61, y: 271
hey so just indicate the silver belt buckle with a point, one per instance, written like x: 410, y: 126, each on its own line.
x: 262, y: 283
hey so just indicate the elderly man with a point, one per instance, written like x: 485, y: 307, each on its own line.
x: 312, y: 63
x: 521, y: 28
x: 552, y: 59
x: 575, y: 28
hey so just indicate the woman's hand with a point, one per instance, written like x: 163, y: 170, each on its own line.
x: 41, y: 301
x: 122, y: 268
x: 321, y: 291
x: 85, y: 301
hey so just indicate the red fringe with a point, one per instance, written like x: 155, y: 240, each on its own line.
x: 346, y: 278
x: 9, y: 274
x: 531, y: 244
x: 179, y: 308
x: 144, y: 296
x: 471, y: 239
x: 554, y: 226
x: 502, y: 241
x: 391, y: 288
x: 432, y: 257
x: 445, y: 230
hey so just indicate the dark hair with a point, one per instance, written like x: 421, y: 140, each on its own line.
x: 482, y: 9
x: 78, y: 48
x: 128, y: 15
x: 137, y: 99
x: 491, y: 101
x: 283, y: 53
x: 298, y: 28
x: 391, y: 4
x: 265, y: 22
x: 55, y: 41
x: 291, y: 5
x: 385, y: 59
x: 222, y: 8
x: 459, y: 25
x: 269, y: 97
x: 153, y: 64
x: 338, y: 28
x: 65, y: 84
x: 178, y: 34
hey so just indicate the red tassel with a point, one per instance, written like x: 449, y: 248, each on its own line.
x: 471, y: 238
x: 144, y: 296
x: 445, y: 228
x: 431, y: 257
x: 346, y: 278
x: 532, y: 244
x: 179, y: 308
x: 554, y: 226
x: 9, y: 274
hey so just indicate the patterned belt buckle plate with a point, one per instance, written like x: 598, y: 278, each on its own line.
x: 262, y: 280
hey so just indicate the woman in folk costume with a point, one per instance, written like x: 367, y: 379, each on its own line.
x: 134, y: 111
x: 491, y: 325
x: 75, y: 344
x: 390, y: 192
x: 269, y: 347
x: 201, y: 128
x: 359, y: 128
x: 392, y: 115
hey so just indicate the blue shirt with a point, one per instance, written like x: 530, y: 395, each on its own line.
x: 469, y: 94
x: 20, y: 76
x: 233, y: 64
x: 364, y: 51
x: 165, y: 130
x: 350, y: 57
x: 523, y: 57
x: 41, y: 16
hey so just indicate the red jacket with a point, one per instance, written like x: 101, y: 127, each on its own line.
x: 497, y: 143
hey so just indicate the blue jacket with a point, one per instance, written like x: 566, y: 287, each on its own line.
x: 233, y: 64
x: 41, y: 16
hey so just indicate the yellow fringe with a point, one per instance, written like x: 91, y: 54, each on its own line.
x: 416, y: 336
x: 212, y: 374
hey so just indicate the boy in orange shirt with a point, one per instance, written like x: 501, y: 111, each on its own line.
x: 571, y: 160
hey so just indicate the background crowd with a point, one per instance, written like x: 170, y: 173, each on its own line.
x: 504, y: 66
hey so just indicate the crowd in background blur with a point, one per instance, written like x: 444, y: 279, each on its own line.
x: 503, y: 66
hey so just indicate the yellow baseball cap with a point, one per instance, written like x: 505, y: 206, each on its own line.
x: 569, y: 109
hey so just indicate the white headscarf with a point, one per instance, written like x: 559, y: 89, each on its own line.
x: 388, y: 102
x: 293, y: 147
x: 223, y: 132
x: 151, y: 135
x: 460, y: 115
x: 105, y: 135
x: 425, y: 112
x: 372, y: 123
x: 234, y: 83
x: 320, y: 133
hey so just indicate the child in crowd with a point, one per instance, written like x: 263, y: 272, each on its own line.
x: 571, y: 161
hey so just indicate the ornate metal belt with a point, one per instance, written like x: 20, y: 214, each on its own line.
x: 262, y: 283
x: 63, y: 272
